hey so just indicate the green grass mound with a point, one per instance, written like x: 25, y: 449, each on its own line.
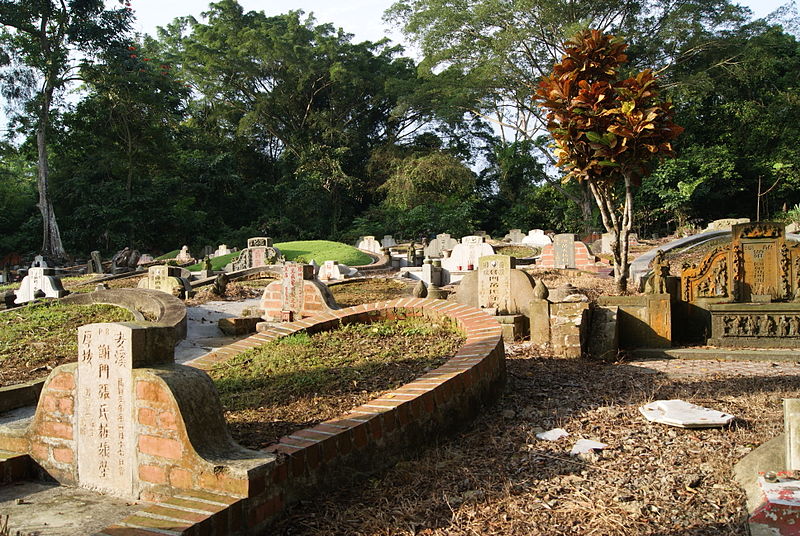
x: 303, y: 251
x: 170, y: 255
x: 217, y: 263
x: 321, y: 251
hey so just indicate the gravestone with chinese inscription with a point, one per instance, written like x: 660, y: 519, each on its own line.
x: 297, y: 295
x: 494, y: 282
x: 465, y: 255
x: 333, y: 271
x: 166, y: 279
x: 566, y: 252
x: 443, y: 242
x: 40, y: 283
x: 125, y: 412
x: 514, y: 236
x: 751, y: 288
x: 259, y: 252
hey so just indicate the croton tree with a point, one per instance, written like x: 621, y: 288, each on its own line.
x: 606, y: 129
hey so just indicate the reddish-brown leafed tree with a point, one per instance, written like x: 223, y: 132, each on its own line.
x: 606, y: 130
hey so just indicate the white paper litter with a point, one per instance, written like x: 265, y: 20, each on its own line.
x: 583, y: 446
x: 683, y: 414
x: 552, y: 435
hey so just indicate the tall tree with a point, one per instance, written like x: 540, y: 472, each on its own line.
x: 606, y: 129
x: 43, y: 42
x: 501, y: 49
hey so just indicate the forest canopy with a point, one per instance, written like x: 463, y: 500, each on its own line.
x: 244, y: 124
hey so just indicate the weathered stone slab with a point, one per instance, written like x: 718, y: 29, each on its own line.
x: 644, y: 321
x: 167, y: 279
x: 443, y: 242
x: 40, y: 283
x: 684, y: 415
x: 514, y: 236
x: 333, y: 271
x: 565, y: 252
x: 259, y: 252
x: 604, y: 334
x: 184, y: 256
x: 368, y: 243
x: 751, y: 325
x: 494, y: 282
x: 569, y: 326
x: 466, y: 254
x: 536, y: 237
x: 725, y: 224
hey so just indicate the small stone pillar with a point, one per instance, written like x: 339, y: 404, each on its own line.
x: 791, y: 422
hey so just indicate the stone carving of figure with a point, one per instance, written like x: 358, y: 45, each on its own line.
x: 727, y: 325
x: 704, y: 289
x: 721, y: 279
x: 768, y: 326
x: 783, y: 326
x: 749, y: 326
x: 660, y: 274
x: 794, y: 326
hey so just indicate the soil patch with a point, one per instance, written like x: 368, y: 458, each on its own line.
x: 36, y: 338
x: 302, y: 380
x: 497, y: 478
x: 370, y: 291
x: 237, y: 291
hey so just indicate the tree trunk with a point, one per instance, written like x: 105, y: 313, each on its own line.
x: 51, y: 237
x: 619, y: 228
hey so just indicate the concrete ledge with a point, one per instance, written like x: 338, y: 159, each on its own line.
x: 384, y: 430
x: 725, y: 354
x: 20, y: 395
x: 159, y: 308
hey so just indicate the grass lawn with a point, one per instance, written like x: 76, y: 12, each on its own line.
x: 170, y: 255
x: 36, y: 338
x: 301, y: 380
x: 303, y: 251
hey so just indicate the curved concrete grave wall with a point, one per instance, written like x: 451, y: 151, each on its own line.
x: 176, y: 451
x: 165, y: 310
x: 374, y: 435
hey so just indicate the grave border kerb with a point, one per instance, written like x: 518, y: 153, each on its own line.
x: 371, y: 436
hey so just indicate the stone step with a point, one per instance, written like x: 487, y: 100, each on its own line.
x: 187, y: 513
x: 724, y: 354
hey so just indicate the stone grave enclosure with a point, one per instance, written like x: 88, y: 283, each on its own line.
x: 259, y: 252
x: 39, y: 283
x: 297, y: 295
x: 126, y: 421
x: 567, y: 252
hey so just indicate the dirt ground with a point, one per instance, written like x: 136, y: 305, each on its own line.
x: 497, y: 478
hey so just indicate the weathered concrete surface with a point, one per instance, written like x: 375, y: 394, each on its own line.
x: 644, y: 321
x: 203, y: 334
x: 48, y: 509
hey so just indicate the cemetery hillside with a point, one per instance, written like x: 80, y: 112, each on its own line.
x: 515, y: 269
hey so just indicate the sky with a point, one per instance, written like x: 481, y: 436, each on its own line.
x: 363, y: 18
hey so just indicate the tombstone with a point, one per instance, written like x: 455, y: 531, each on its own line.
x: 222, y: 249
x: 536, y: 237
x: 297, y: 295
x: 207, y: 251
x: 259, y: 252
x: 514, y: 236
x: 566, y: 252
x: 388, y: 241
x: 465, y: 255
x: 432, y: 272
x: 167, y: 279
x: 443, y: 242
x: 124, y: 260
x: 607, y: 241
x: 368, y: 243
x: 184, y: 257
x: 40, y: 282
x: 482, y: 234
x: 220, y: 285
x: 107, y: 421
x: 145, y: 259
x: 725, y: 224
x: 333, y: 271
x: 494, y: 282
x: 749, y: 287
x: 95, y: 264
x: 39, y: 262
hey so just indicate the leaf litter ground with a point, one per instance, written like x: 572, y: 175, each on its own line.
x: 496, y: 478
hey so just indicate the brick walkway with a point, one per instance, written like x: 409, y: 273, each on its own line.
x: 681, y: 368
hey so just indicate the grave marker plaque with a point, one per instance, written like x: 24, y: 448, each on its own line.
x: 104, y: 409
x: 292, y: 286
x: 494, y: 282
x: 564, y: 250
